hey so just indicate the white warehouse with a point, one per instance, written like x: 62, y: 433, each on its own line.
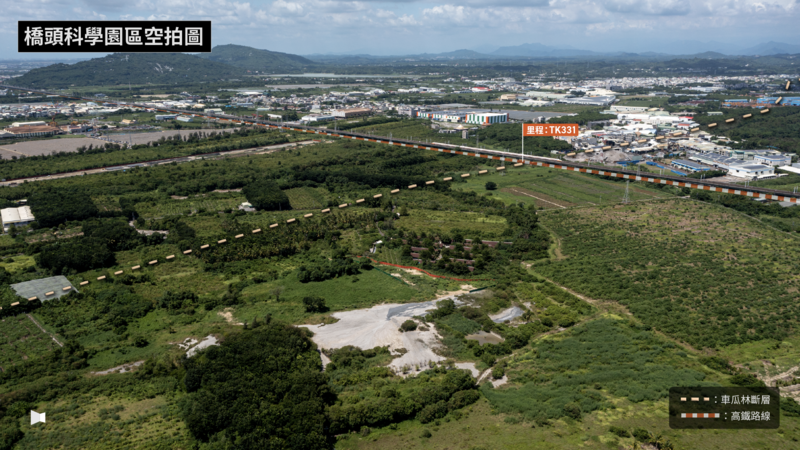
x: 751, y: 171
x: 17, y: 216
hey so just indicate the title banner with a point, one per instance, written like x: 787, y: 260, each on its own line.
x: 547, y: 129
x: 144, y: 36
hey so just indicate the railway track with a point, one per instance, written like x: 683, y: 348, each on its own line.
x: 497, y: 155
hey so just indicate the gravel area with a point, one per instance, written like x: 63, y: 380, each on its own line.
x: 46, y: 147
x: 150, y: 136
x: 208, y: 341
x: 380, y: 326
x: 507, y: 314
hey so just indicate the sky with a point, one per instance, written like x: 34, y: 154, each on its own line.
x: 402, y: 27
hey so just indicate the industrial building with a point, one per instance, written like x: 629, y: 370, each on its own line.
x: 752, y: 171
x: 546, y: 95
x: 166, y: 116
x: 487, y: 118
x: 18, y: 216
x: 317, y: 118
x: 630, y: 109
x: 184, y: 118
x: 457, y: 116
x: 351, y: 112
x: 688, y: 165
x: 787, y: 101
x: 593, y: 101
x: 33, y: 130
x: 773, y: 160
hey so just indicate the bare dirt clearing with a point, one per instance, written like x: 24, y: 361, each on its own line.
x: 380, y: 326
x: 47, y: 146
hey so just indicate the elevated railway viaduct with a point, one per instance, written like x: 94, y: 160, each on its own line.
x: 507, y: 157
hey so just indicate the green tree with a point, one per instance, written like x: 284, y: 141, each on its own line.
x: 408, y: 325
x: 266, y: 195
x: 314, y: 304
x: 491, y: 185
x: 262, y: 387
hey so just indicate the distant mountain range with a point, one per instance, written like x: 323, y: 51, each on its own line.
x: 535, y: 50
x: 133, y: 68
x: 253, y: 59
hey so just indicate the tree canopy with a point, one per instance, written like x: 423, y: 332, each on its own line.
x: 266, y: 195
x: 262, y: 388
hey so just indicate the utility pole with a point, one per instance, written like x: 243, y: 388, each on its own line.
x: 626, y: 198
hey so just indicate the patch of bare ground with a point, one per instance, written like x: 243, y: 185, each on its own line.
x: 128, y: 367
x: 227, y: 314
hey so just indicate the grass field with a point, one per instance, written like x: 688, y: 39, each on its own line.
x: 344, y: 293
x: 483, y: 428
x: 554, y: 188
x: 472, y: 224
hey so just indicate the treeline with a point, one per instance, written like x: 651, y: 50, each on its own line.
x: 336, y: 267
x: 111, y: 154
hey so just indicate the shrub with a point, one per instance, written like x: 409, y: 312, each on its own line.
x: 140, y: 342
x: 314, y: 304
x: 431, y: 412
x: 716, y: 363
x: 746, y: 379
x: 491, y: 185
x: 499, y: 371
x: 408, y: 325
x: 790, y: 406
x: 621, y: 432
x: 573, y: 410
x: 426, y: 433
x: 641, y: 434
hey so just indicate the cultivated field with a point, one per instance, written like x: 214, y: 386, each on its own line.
x: 20, y: 340
x: 306, y: 198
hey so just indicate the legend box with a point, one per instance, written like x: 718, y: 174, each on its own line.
x: 724, y: 408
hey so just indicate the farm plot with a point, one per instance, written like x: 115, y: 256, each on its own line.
x: 21, y: 340
x: 473, y: 225
x: 306, y: 198
x: 174, y: 207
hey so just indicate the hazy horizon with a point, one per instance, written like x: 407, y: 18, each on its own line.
x: 407, y: 27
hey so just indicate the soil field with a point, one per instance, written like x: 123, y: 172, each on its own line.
x: 151, y: 136
x: 46, y: 147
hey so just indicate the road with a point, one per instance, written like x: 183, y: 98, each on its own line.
x: 179, y: 159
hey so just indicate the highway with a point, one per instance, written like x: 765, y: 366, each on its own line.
x: 507, y: 157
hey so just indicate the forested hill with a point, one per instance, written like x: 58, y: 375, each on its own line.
x: 253, y: 59
x: 134, y: 68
